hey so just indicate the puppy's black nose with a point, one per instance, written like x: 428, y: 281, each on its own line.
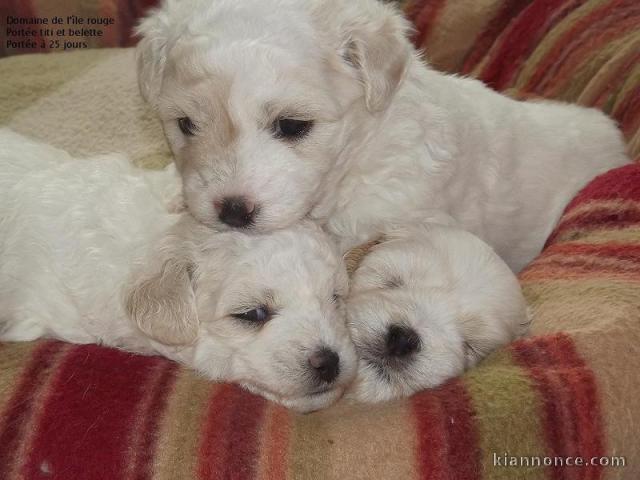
x: 237, y: 212
x: 325, y: 365
x: 402, y: 341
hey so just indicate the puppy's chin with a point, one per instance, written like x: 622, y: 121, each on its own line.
x: 372, y: 386
x: 301, y: 404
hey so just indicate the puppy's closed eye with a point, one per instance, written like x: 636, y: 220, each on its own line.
x: 187, y: 126
x: 291, y: 129
x: 386, y: 279
x: 392, y: 281
x: 480, y: 339
x: 256, y: 316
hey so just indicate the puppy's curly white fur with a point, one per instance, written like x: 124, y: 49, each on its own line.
x: 426, y: 304
x: 89, y: 253
x: 276, y: 109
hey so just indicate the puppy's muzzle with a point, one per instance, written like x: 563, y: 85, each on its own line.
x: 324, y: 365
x: 237, y: 212
x: 401, y: 341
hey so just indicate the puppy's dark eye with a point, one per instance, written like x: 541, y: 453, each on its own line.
x: 186, y: 126
x: 257, y: 315
x: 393, y: 282
x: 290, y: 129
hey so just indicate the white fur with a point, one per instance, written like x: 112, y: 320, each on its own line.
x: 393, y: 140
x: 447, y: 286
x: 89, y: 253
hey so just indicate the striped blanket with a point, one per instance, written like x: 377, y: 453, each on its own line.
x: 569, y: 391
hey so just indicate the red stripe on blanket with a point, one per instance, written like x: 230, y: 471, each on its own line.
x: 21, y: 406
x: 617, y: 78
x: 579, y: 267
x: 620, y: 183
x: 545, y: 352
x: 229, y: 447
x: 510, y: 9
x: 25, y: 9
x: 589, y: 430
x: 424, y: 15
x: 571, y: 418
x: 277, y: 443
x: 521, y: 38
x: 431, y: 449
x: 89, y: 414
x: 606, y: 218
x: 618, y: 251
x: 628, y: 114
x: 464, y: 453
x: 112, y: 35
x: 552, y: 271
x: 447, y: 437
x: 607, y: 16
x: 152, y: 416
x: 537, y: 360
x: 619, y: 23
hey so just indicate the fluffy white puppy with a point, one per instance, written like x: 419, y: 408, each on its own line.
x: 426, y: 304
x: 276, y: 109
x: 89, y: 253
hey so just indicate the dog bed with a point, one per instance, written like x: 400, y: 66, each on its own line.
x: 569, y: 390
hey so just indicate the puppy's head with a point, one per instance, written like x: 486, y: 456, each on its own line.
x: 259, y: 98
x: 424, y: 309
x: 264, y: 311
x: 405, y: 343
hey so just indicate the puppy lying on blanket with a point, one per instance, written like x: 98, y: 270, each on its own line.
x: 89, y: 253
x: 425, y: 304
x: 280, y: 109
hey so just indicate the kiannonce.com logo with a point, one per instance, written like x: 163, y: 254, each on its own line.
x: 523, y: 461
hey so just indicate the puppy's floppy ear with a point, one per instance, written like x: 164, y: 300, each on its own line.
x: 151, y: 52
x: 375, y: 43
x: 164, y: 306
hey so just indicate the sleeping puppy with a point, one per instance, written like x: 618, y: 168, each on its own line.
x: 279, y: 109
x: 90, y: 254
x: 426, y: 304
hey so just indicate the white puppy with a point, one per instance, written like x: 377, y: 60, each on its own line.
x: 90, y: 254
x: 276, y: 109
x: 424, y: 305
